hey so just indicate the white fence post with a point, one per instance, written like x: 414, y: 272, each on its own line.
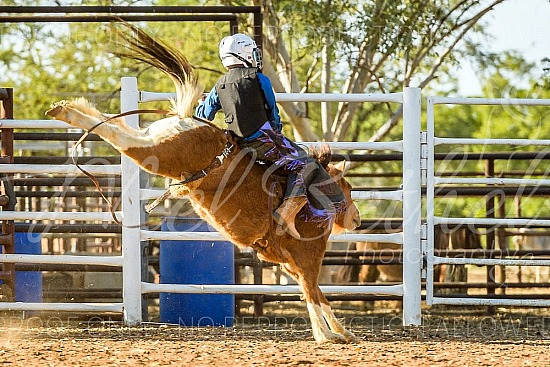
x: 131, y: 210
x: 411, y: 207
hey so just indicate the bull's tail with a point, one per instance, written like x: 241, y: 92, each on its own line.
x: 142, y: 47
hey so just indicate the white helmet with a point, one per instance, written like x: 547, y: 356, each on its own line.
x: 240, y: 49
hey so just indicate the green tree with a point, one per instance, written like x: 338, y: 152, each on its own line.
x: 375, y: 46
x: 332, y: 45
x: 500, y: 80
x: 48, y: 61
x: 45, y: 62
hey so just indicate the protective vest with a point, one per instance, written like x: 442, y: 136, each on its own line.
x: 242, y: 100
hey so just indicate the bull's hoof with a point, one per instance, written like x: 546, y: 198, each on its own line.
x: 350, y: 337
x: 57, y: 107
x: 346, y: 337
x: 331, y: 337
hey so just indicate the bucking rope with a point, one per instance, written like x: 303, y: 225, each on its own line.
x: 92, y: 177
x: 216, y: 162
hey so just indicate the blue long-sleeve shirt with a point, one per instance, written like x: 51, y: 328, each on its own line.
x: 208, y: 108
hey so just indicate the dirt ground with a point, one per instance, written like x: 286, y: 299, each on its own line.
x: 474, y: 339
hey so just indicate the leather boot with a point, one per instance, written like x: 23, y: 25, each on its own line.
x: 286, y: 213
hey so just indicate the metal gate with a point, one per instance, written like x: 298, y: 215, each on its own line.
x: 409, y: 195
x: 432, y: 181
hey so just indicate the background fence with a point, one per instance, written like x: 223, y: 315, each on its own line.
x: 125, y: 186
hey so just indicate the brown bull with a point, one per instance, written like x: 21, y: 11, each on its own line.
x: 234, y: 197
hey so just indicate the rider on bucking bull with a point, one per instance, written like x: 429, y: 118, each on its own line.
x: 247, y: 99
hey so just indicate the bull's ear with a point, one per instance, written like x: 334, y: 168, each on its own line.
x: 343, y: 166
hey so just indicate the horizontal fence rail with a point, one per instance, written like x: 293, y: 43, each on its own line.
x: 129, y: 259
x: 513, y: 222
x: 396, y: 195
x: 215, y: 236
x: 390, y: 145
x: 505, y: 262
x: 34, y: 124
x: 61, y: 259
x: 298, y: 97
x: 490, y: 302
x: 489, y: 101
x: 491, y: 181
x: 266, y: 289
x: 468, y: 141
x: 83, y: 216
x: 104, y: 169
x: 60, y: 306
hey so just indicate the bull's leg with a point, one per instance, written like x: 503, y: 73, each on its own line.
x: 333, y: 322
x: 77, y: 113
x: 307, y: 279
x: 80, y: 113
x: 321, y: 330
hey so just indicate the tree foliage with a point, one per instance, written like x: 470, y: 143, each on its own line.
x: 507, y: 121
x: 45, y: 62
x: 376, y: 46
x: 362, y: 46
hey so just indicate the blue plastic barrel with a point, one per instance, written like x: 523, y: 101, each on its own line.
x: 196, y: 262
x: 28, y: 284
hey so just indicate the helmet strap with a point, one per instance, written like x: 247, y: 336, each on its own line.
x: 248, y: 63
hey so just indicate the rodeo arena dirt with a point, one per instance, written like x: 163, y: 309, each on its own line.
x: 445, y: 339
x: 90, y: 277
